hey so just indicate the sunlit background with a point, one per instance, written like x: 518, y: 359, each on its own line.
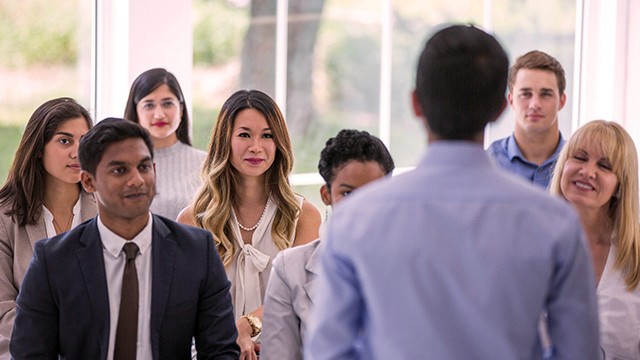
x: 329, y: 64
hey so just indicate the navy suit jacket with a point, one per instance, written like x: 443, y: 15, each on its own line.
x: 63, y: 304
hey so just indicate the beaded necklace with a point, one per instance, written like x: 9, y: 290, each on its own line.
x: 246, y: 228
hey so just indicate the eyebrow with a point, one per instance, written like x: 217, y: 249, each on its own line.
x: 351, y: 187
x: 530, y: 89
x: 63, y: 133
x: 248, y: 129
x: 163, y: 99
x: 120, y: 163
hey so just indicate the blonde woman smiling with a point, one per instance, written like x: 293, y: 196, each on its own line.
x: 597, y: 172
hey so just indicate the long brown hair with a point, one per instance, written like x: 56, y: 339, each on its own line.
x: 212, y: 205
x: 24, y: 189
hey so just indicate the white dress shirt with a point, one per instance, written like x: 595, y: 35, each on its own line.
x: 48, y: 218
x: 114, y: 261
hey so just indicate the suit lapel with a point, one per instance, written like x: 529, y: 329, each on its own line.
x: 88, y: 210
x: 313, y: 269
x: 91, y: 261
x: 163, y: 250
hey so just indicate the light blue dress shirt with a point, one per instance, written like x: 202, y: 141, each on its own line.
x: 507, y: 154
x: 454, y: 260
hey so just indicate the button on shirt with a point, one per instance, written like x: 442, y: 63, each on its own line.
x: 508, y: 155
x: 114, y: 261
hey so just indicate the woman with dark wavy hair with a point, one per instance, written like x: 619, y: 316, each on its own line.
x: 246, y: 201
x: 42, y: 196
x: 157, y: 103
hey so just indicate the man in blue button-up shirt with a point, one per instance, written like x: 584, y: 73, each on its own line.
x: 456, y: 259
x: 536, y: 93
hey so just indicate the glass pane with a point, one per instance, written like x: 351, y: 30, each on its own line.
x: 334, y: 73
x: 42, y: 57
x: 522, y: 27
x: 219, y: 32
x: 413, y: 23
x: 333, y: 77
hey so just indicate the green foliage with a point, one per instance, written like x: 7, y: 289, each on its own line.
x: 37, y: 32
x: 353, y: 72
x: 218, y: 32
x: 10, y: 135
x: 202, y: 121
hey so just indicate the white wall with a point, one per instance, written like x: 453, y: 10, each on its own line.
x: 607, y: 64
x: 134, y: 36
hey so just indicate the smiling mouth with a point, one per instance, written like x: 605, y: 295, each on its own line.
x: 583, y: 186
x: 135, y: 196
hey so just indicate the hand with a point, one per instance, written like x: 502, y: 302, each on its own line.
x: 248, y: 347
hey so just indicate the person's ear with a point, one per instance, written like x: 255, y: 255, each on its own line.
x: 325, y: 194
x: 88, y: 182
x: 417, y: 110
x: 563, y: 100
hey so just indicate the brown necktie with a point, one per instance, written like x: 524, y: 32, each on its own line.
x: 127, y: 330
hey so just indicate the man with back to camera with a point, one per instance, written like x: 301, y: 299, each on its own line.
x: 456, y: 259
x: 126, y: 284
x: 536, y: 94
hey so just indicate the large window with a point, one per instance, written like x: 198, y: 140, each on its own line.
x: 351, y: 64
x: 46, y: 53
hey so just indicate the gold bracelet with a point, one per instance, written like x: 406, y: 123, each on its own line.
x: 255, y: 323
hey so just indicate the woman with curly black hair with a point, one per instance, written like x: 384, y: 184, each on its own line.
x: 348, y: 161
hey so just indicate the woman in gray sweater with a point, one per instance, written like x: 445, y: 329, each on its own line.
x: 157, y: 103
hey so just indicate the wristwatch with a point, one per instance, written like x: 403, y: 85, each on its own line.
x: 255, y: 323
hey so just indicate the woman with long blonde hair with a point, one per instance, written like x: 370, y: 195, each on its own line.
x: 246, y: 201
x: 597, y: 172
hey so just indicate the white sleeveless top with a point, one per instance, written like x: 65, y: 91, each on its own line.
x: 619, y: 313
x: 249, y: 270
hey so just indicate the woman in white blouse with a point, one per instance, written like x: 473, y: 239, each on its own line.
x: 247, y: 203
x: 597, y: 172
x: 348, y: 161
x: 42, y: 196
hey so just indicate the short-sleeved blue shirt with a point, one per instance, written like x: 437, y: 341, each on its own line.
x: 508, y: 155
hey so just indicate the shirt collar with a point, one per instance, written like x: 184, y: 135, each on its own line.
x: 48, y: 216
x: 513, y: 150
x: 113, y: 243
x: 456, y: 153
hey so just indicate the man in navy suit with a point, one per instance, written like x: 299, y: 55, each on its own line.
x: 70, y: 305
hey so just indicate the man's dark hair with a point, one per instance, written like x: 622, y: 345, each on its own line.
x: 352, y: 145
x: 108, y: 131
x: 461, y: 81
